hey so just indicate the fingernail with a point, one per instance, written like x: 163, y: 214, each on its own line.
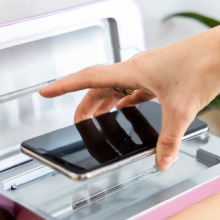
x: 166, y: 162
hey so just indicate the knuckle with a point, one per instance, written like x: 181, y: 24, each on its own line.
x: 87, y: 75
x: 99, y: 96
x: 119, y: 95
x: 81, y: 115
x: 134, y: 61
x: 63, y: 89
x: 99, y: 112
x: 170, y: 143
x: 87, y: 71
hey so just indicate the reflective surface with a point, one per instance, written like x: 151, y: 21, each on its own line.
x: 41, y: 60
x: 90, y: 143
x: 52, y: 196
x: 108, y: 138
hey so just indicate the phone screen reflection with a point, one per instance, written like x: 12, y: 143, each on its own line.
x: 92, y: 142
x: 111, y: 140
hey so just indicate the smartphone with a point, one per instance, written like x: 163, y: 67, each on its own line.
x: 109, y: 141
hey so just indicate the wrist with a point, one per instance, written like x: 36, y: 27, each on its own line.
x: 213, y: 39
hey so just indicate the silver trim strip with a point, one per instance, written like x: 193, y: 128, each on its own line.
x: 26, y: 177
x: 195, y: 134
x: 9, y: 150
x: 114, y: 189
x: 14, y: 161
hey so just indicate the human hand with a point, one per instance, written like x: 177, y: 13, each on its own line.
x: 184, y: 77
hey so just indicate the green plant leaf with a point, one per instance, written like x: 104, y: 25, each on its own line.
x: 210, y: 22
x: 214, y: 104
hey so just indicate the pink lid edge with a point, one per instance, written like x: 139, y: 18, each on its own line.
x: 181, y: 202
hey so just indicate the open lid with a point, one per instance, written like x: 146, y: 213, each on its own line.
x: 37, y: 51
x: 40, y: 49
x: 36, y: 60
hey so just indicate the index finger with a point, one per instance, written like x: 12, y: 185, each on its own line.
x: 119, y: 75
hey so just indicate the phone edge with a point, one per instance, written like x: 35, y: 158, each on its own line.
x: 105, y: 169
x: 94, y: 173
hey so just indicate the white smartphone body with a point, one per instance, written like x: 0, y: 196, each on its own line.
x: 99, y: 145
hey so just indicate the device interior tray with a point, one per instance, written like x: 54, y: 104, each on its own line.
x: 52, y: 194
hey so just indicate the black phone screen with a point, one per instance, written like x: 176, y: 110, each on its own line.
x: 102, y: 140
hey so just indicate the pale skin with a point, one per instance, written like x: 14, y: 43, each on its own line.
x: 184, y: 77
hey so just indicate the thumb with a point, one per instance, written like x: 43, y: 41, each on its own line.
x: 175, y: 122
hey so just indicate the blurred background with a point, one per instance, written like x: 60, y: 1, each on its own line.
x: 159, y: 33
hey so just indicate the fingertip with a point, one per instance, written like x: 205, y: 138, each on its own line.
x: 164, y: 163
x: 44, y: 92
x: 49, y: 92
x: 118, y: 107
x: 41, y: 92
x: 122, y: 104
